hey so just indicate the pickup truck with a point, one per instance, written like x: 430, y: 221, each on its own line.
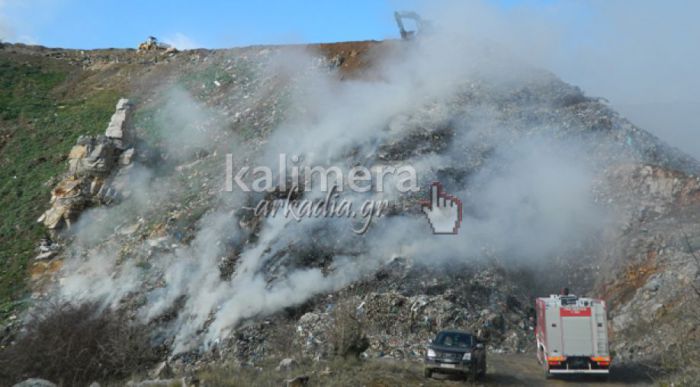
x: 456, y: 352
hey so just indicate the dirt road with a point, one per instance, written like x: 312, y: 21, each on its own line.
x: 503, y: 370
x: 523, y: 370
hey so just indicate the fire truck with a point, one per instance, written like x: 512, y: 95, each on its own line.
x: 572, y: 335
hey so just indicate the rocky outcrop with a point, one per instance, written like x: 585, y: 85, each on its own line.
x: 91, y: 162
x: 652, y: 267
x: 115, y: 129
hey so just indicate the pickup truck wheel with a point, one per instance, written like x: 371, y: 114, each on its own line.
x: 473, y: 374
x: 428, y: 373
x: 482, y: 371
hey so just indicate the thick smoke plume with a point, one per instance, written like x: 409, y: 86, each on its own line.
x: 527, y: 197
x: 643, y: 56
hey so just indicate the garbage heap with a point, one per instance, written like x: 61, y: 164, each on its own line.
x: 402, y: 312
x: 91, y: 162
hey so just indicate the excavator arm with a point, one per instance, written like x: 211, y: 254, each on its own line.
x: 400, y: 16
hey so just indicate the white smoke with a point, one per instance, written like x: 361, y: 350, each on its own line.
x: 7, y: 31
x: 528, y: 200
x: 16, y: 25
x: 643, y: 56
x: 181, y: 41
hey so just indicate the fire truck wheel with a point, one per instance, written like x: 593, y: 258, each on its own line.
x: 602, y: 378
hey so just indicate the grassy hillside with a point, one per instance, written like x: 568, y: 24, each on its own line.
x: 45, y: 104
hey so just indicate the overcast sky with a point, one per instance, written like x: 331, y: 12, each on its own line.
x: 641, y: 55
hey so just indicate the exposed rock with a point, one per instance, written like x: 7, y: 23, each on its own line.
x: 298, y: 381
x: 47, y: 249
x: 287, y: 364
x: 67, y: 201
x: 45, y: 255
x: 181, y: 382
x: 115, y: 129
x: 126, y: 157
x: 35, y: 383
x: 99, y: 160
x: 129, y: 230
x: 162, y: 371
x: 90, y: 163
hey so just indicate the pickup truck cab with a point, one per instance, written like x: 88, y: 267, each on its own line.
x: 456, y: 352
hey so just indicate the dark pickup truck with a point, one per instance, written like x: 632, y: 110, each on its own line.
x: 456, y: 352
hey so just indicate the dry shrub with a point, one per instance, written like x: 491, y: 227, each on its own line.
x: 347, y: 334
x: 75, y: 345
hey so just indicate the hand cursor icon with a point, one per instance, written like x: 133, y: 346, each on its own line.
x: 444, y: 211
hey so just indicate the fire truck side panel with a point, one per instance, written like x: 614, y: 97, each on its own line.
x: 553, y: 344
x: 600, y: 328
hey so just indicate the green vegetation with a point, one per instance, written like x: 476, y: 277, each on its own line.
x: 39, y: 122
x: 146, y: 120
x: 201, y: 83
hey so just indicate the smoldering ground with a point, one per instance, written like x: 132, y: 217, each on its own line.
x: 437, y: 105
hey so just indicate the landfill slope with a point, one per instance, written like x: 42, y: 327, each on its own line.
x: 120, y: 156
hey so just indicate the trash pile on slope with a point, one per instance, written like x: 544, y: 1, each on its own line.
x: 399, y: 312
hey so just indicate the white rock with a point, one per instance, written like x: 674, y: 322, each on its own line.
x: 115, y: 129
x: 287, y: 364
x: 126, y: 157
x: 35, y: 383
x: 45, y: 255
